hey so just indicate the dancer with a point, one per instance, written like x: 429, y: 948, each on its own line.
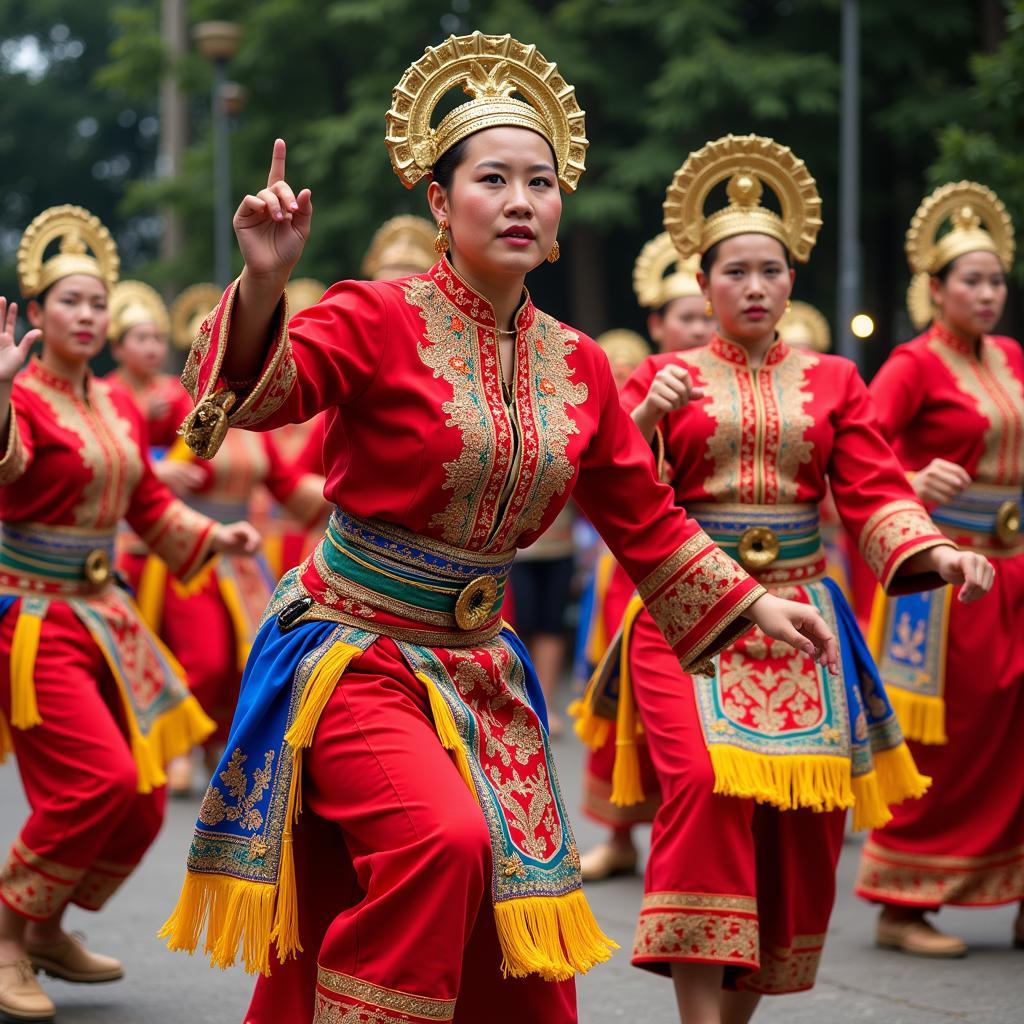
x: 952, y: 403
x: 758, y: 762
x: 92, y: 705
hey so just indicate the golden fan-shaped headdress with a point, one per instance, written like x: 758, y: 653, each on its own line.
x: 624, y: 346
x: 919, y: 301
x: 302, y: 293
x: 86, y: 247
x: 489, y: 69
x: 189, y: 310
x: 749, y: 162
x: 803, y: 326
x: 652, y: 282
x: 978, y: 223
x: 135, y: 302
x: 401, y: 246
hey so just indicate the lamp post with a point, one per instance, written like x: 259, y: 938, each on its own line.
x: 849, y: 184
x: 218, y: 42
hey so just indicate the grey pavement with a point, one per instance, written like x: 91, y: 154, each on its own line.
x: 856, y: 983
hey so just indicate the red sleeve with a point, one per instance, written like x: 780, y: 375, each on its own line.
x: 694, y: 592
x: 634, y: 391
x: 896, y: 392
x: 876, y: 503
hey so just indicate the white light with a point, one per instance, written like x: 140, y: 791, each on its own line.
x: 862, y: 325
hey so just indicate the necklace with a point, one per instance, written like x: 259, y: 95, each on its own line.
x: 508, y: 334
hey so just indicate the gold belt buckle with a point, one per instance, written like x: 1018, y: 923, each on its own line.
x: 475, y: 601
x: 97, y: 567
x: 758, y: 547
x: 1008, y: 523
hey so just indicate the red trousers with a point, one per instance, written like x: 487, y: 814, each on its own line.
x: 88, y: 827
x: 393, y: 868
x: 728, y: 881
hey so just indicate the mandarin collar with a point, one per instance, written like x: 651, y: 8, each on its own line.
x: 53, y: 379
x: 471, y: 304
x: 736, y: 354
x: 955, y: 341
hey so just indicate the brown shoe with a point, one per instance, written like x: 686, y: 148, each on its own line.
x: 604, y: 861
x: 919, y: 938
x: 69, y: 960
x: 21, y: 998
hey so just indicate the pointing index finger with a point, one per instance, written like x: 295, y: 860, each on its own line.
x: 277, y: 163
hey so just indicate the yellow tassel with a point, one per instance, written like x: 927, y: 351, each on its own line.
x: 597, y: 641
x: 447, y: 731
x: 898, y: 777
x: 869, y: 809
x: 24, y: 645
x: 922, y: 717
x: 239, y: 620
x: 152, y: 587
x: 177, y: 731
x: 328, y: 671
x: 286, y: 915
x: 555, y: 937
x: 273, y: 552
x: 627, y: 789
x: 876, y: 623
x: 590, y: 728
x: 787, y: 781
x: 6, y: 740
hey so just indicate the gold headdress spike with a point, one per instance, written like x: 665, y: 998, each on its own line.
x: 402, y: 246
x: 86, y: 247
x: 623, y: 346
x: 749, y: 162
x: 303, y: 292
x: 189, y: 310
x: 490, y: 69
x: 654, y: 286
x: 132, y: 303
x: 919, y: 301
x: 978, y: 223
x: 803, y: 326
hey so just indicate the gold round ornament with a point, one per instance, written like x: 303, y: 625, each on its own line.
x: 758, y: 547
x: 97, y: 567
x: 475, y: 603
x: 1008, y: 523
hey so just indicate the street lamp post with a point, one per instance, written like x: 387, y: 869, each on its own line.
x: 218, y: 41
x: 849, y: 184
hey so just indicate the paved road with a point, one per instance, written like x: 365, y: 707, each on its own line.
x: 857, y: 983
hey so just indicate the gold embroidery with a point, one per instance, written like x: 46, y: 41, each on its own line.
x: 536, y: 816
x: 35, y: 886
x: 664, y: 572
x: 930, y: 880
x: 786, y: 969
x: 99, y: 883
x: 15, y: 458
x: 889, y: 528
x: 385, y: 998
x: 197, y: 356
x: 699, y: 901
x: 726, y: 448
x: 691, y: 935
x: 180, y: 537
x: 329, y: 1011
x: 999, y: 398
x: 792, y: 448
x: 214, y: 808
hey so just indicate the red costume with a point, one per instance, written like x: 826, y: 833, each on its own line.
x: 97, y: 705
x: 956, y: 673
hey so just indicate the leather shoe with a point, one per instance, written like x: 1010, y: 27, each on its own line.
x: 21, y: 998
x: 919, y: 938
x: 69, y: 960
x: 604, y: 861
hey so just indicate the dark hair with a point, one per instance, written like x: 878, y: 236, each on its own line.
x: 943, y: 272
x: 449, y: 160
x: 707, y: 259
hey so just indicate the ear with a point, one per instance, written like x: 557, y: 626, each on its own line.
x: 437, y: 198
x: 792, y: 279
x: 937, y: 289
x: 702, y: 281
x: 654, y: 326
x: 34, y: 312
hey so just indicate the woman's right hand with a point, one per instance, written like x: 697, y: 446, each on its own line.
x: 940, y: 481
x: 797, y: 624
x: 13, y: 353
x: 273, y: 225
x: 671, y: 389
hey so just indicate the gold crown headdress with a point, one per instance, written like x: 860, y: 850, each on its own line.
x: 624, y: 346
x: 132, y: 303
x: 490, y: 69
x: 655, y: 287
x: 979, y: 223
x: 404, y: 245
x: 189, y: 310
x: 80, y: 233
x: 919, y: 301
x: 303, y: 292
x: 749, y: 162
x: 803, y: 326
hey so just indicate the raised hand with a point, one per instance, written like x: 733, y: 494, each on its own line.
x: 671, y: 389
x: 273, y: 225
x: 13, y: 354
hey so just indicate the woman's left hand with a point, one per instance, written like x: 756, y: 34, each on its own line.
x: 975, y: 572
x: 236, y: 539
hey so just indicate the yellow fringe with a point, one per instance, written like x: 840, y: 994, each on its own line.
x: 6, y: 740
x: 807, y: 780
x: 597, y: 641
x: 876, y: 624
x: 553, y: 936
x: 921, y: 717
x: 236, y: 612
x: 898, y: 777
x: 177, y: 731
x: 447, y: 732
x: 627, y: 789
x: 869, y: 809
x: 590, y: 728
x: 24, y: 646
x: 328, y: 671
x: 152, y: 587
x: 195, y: 583
x: 285, y: 933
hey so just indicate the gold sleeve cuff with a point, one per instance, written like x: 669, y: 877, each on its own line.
x: 15, y: 458
x: 181, y: 537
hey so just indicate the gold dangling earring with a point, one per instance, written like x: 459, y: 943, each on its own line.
x: 556, y: 252
x: 789, y: 306
x: 709, y: 310
x: 441, y: 242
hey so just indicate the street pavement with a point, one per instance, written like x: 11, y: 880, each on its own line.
x: 856, y: 983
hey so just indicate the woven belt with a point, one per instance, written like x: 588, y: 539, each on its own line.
x: 411, y: 577
x: 775, y: 543
x: 51, y: 559
x: 984, y: 516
